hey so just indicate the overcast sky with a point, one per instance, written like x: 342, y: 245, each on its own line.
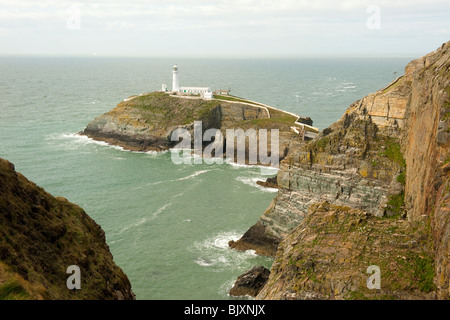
x: 223, y: 28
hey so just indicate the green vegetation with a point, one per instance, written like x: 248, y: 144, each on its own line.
x: 40, y: 236
x: 169, y: 111
x: 423, y: 272
x: 322, y: 143
x: 447, y: 105
x: 275, y: 117
x: 393, y: 152
x: 402, y: 178
x: 396, y: 203
x: 12, y: 290
x: 393, y: 86
x: 235, y: 99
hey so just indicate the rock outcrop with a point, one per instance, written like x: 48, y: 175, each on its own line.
x: 146, y: 122
x: 327, y: 255
x: 251, y: 282
x: 41, y: 236
x: 382, y: 171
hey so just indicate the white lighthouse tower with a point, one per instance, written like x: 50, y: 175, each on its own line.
x: 175, y: 81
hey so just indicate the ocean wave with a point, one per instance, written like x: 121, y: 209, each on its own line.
x: 78, y: 140
x: 225, y: 288
x: 265, y: 170
x: 144, y: 220
x: 134, y: 225
x: 191, y: 176
x: 215, y: 253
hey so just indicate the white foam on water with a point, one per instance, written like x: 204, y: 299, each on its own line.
x: 78, y: 140
x: 134, y: 225
x: 154, y: 153
x: 225, y: 288
x: 144, y: 220
x: 265, y: 170
x: 215, y: 252
x: 160, y: 210
x: 204, y: 263
x: 192, y: 175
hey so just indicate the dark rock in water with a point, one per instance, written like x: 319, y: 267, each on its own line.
x: 269, y: 183
x: 250, y: 282
x: 256, y: 239
x: 305, y: 120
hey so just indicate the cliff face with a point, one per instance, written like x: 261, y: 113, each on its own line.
x: 372, y: 189
x: 426, y: 147
x: 41, y: 236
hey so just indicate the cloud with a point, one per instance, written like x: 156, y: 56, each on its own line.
x: 235, y: 21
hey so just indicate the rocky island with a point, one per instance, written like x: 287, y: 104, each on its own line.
x: 146, y: 122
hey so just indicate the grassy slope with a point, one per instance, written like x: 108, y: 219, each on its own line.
x: 40, y: 236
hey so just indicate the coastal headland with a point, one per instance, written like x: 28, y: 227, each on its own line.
x: 370, y: 193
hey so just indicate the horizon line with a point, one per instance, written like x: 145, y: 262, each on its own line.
x: 214, y: 56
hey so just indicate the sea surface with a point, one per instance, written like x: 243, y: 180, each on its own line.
x: 167, y: 225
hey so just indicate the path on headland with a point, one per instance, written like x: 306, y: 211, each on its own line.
x: 258, y: 104
x: 266, y: 108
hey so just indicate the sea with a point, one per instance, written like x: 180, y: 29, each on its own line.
x: 167, y: 225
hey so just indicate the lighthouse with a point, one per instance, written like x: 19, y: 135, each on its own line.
x: 175, y: 81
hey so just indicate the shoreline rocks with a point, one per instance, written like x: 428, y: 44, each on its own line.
x: 251, y: 282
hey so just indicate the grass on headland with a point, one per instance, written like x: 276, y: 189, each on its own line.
x: 12, y: 290
x: 236, y: 99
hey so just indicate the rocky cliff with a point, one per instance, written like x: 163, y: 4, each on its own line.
x: 41, y: 236
x: 372, y: 189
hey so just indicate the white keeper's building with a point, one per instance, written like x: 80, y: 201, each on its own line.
x: 204, y: 92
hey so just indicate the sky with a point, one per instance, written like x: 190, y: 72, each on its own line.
x: 220, y: 28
